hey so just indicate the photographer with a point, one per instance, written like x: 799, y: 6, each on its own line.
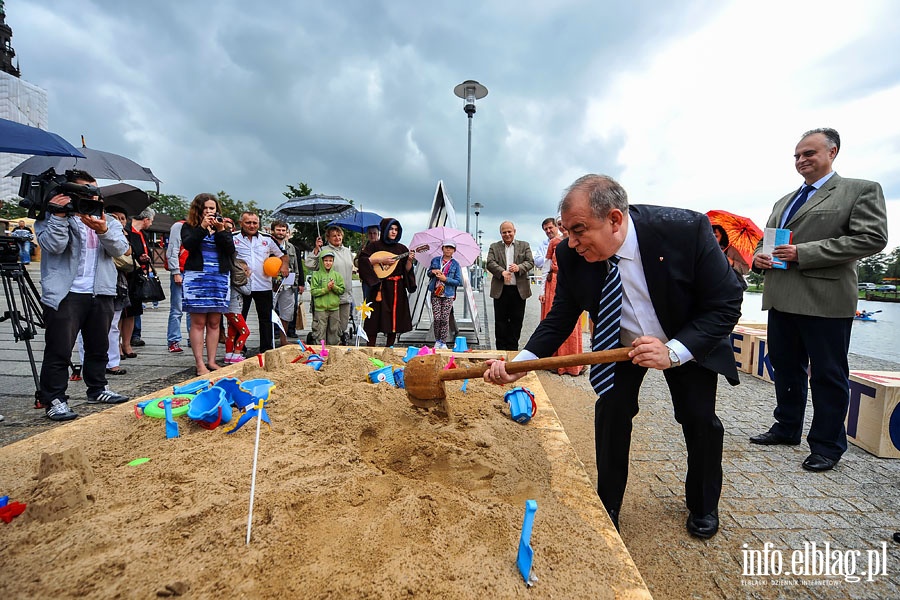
x: 78, y: 278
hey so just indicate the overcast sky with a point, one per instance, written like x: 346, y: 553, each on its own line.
x: 692, y: 104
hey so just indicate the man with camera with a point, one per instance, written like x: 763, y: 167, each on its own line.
x: 78, y: 280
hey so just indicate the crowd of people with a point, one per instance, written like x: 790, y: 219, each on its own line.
x: 634, y: 269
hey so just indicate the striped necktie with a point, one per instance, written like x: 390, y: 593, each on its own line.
x: 606, y: 327
x: 802, y: 196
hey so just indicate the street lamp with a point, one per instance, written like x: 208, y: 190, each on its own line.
x: 469, y: 91
x: 477, y: 208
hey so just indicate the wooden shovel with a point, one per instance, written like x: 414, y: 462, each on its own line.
x: 424, y: 376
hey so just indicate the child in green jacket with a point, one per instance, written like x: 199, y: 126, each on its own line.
x: 326, y: 288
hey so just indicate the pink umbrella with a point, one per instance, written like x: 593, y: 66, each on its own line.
x: 428, y: 243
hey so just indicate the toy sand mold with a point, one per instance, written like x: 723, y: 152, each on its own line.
x: 425, y: 375
x: 358, y: 494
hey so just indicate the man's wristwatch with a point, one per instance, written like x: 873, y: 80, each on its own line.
x: 673, y: 359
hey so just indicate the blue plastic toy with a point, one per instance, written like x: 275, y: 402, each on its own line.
x: 235, y: 392
x: 171, y: 425
x: 521, y: 404
x: 315, y: 361
x: 194, y: 387
x: 526, y: 553
x: 398, y: 378
x: 411, y: 353
x: 383, y: 375
x: 461, y: 345
x: 251, y: 392
x: 210, y: 408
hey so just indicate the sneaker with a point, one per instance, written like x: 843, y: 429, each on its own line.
x: 107, y: 396
x: 440, y: 346
x: 175, y: 347
x: 138, y: 342
x: 59, y: 411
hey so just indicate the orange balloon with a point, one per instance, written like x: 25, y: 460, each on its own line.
x: 272, y: 266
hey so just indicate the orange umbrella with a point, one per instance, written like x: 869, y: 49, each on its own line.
x: 743, y: 233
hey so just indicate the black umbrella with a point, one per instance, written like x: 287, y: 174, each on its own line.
x: 101, y: 165
x: 17, y: 138
x: 312, y: 209
x: 131, y: 199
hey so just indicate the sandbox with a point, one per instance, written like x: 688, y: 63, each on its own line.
x: 359, y: 494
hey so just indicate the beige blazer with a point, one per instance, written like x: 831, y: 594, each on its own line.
x: 496, y: 264
x: 844, y: 221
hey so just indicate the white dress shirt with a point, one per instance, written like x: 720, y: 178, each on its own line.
x: 638, y: 315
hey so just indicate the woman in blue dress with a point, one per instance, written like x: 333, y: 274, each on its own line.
x: 207, y: 271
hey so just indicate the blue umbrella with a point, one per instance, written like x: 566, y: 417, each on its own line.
x: 360, y: 221
x: 24, y: 139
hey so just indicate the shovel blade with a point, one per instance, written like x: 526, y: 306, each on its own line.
x: 526, y: 553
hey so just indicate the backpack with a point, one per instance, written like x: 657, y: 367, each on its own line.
x: 182, y: 255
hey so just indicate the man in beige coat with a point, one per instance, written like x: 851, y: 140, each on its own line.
x: 509, y: 262
x: 834, y: 223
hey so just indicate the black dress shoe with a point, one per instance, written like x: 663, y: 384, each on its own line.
x: 817, y: 462
x: 772, y: 439
x: 703, y: 527
x: 614, y: 517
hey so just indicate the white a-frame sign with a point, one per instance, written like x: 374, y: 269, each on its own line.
x: 443, y: 214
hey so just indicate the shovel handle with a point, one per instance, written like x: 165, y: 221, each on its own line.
x: 551, y: 362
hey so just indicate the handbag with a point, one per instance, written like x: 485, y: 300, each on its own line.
x: 145, y: 288
x: 238, y: 274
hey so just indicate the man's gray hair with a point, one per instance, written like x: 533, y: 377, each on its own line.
x: 604, y: 193
x: 832, y: 137
x: 147, y: 213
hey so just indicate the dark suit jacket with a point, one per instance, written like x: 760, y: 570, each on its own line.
x: 696, y: 296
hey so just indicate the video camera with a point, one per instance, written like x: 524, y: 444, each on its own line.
x: 9, y: 250
x: 37, y: 191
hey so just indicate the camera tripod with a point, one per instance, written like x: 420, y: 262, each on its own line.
x: 23, y: 311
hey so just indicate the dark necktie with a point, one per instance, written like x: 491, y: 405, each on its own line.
x: 802, y: 196
x: 606, y: 328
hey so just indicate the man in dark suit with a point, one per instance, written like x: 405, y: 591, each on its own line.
x: 678, y: 302
x: 509, y: 262
x: 835, y: 222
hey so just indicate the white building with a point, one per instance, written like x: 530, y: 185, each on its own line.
x: 20, y: 101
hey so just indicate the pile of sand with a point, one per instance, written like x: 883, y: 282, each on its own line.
x: 358, y: 494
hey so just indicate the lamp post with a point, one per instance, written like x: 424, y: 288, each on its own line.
x: 477, y: 208
x: 469, y: 91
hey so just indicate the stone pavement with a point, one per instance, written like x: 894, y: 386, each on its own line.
x: 767, y: 497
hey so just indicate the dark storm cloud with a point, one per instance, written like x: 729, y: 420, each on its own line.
x: 354, y: 98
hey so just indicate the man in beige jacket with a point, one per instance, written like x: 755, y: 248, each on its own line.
x: 834, y: 223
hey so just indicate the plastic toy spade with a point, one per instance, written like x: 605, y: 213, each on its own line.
x: 171, y: 425
x: 526, y: 554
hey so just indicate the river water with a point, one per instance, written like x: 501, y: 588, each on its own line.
x: 880, y: 339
